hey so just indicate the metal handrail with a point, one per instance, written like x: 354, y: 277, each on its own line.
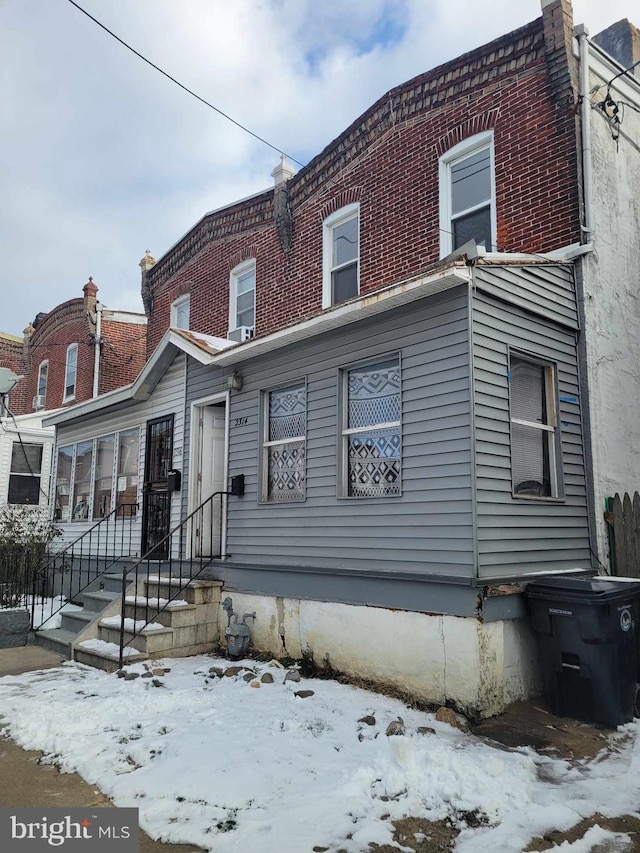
x: 61, y: 566
x: 132, y: 575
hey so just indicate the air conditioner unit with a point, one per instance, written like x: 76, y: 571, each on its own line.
x: 242, y: 333
x: 38, y: 402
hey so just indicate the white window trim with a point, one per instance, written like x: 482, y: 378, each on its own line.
x: 176, y: 305
x: 31, y: 475
x: 265, y: 498
x: 66, y: 397
x: 550, y: 427
x: 236, y: 272
x: 337, y: 218
x: 43, y: 364
x: 346, y: 431
x: 464, y: 149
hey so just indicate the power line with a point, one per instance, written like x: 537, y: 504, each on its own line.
x: 186, y: 89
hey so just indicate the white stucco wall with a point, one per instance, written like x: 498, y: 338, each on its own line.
x: 480, y: 667
x: 612, y: 298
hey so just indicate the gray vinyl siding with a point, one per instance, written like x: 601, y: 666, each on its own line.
x: 518, y: 536
x: 167, y: 398
x: 428, y: 530
x: 543, y: 289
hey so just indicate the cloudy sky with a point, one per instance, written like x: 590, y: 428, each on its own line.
x: 102, y: 158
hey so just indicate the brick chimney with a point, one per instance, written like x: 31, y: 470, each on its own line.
x: 557, y: 18
x: 145, y: 290
x: 622, y: 42
x: 281, y: 210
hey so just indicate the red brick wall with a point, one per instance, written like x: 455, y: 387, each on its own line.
x: 388, y: 161
x: 11, y: 356
x: 123, y: 354
x: 64, y: 325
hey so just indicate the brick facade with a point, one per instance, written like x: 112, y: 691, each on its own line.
x: 123, y: 338
x: 519, y: 86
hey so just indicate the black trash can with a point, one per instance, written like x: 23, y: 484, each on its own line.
x: 587, y: 631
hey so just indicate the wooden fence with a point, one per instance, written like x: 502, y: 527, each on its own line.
x: 623, y: 518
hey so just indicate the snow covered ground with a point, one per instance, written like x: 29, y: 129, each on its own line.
x: 231, y: 766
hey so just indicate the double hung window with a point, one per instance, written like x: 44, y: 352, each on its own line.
x: 467, y: 195
x: 534, y: 466
x: 242, y: 297
x: 71, y: 372
x: 180, y: 312
x: 371, y: 432
x: 341, y: 267
x: 284, y: 444
x: 24, y: 478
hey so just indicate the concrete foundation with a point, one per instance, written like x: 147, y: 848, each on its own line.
x: 479, y: 667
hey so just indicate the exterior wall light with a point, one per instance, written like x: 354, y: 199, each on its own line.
x: 235, y: 381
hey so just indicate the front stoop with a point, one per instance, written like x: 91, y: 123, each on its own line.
x: 187, y: 626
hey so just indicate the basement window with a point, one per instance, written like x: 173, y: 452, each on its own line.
x: 534, y: 439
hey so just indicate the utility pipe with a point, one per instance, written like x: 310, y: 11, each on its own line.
x: 582, y: 33
x: 98, y: 346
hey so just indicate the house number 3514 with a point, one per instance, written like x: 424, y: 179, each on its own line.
x: 241, y: 421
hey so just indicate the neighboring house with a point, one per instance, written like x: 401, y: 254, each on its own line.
x: 76, y: 351
x: 26, y: 450
x: 387, y: 346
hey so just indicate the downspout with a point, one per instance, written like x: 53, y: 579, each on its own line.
x: 581, y: 33
x: 96, y: 353
x: 581, y: 275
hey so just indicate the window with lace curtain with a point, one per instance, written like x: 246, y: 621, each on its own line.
x: 284, y: 444
x: 371, y: 430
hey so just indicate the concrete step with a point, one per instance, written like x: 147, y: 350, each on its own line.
x: 56, y: 640
x: 176, y: 615
x: 193, y: 592
x: 111, y: 581
x: 150, y: 641
x: 95, y: 602
x: 76, y: 620
x: 104, y: 655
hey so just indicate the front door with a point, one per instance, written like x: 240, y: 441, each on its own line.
x: 210, y: 455
x: 156, y: 504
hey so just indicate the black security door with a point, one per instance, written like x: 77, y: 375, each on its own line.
x: 156, y: 508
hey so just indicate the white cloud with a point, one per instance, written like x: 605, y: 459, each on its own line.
x: 104, y: 158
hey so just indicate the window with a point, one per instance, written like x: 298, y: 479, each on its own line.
x: 533, y: 428
x: 43, y: 373
x: 371, y: 435
x: 82, y: 481
x: 71, y: 372
x: 284, y: 444
x: 242, y: 296
x: 102, y: 493
x: 64, y: 470
x: 24, y: 478
x: 85, y: 490
x: 467, y: 196
x: 341, y: 249
x: 180, y: 312
x: 128, y: 461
